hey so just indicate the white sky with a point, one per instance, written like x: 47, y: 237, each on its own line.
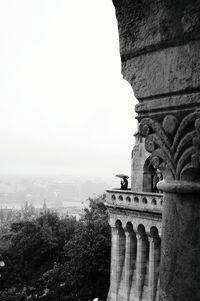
x: 64, y: 107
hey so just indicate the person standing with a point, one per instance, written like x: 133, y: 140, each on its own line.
x: 124, y: 183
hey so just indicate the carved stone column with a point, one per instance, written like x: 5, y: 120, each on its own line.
x: 130, y: 260
x: 117, y: 261
x: 154, y: 265
x: 142, y: 258
x: 160, y: 54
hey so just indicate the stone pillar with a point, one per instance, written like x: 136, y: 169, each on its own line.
x: 142, y: 257
x: 117, y: 261
x: 130, y: 260
x: 154, y: 265
x: 180, y: 263
x: 174, y: 147
x: 160, y: 55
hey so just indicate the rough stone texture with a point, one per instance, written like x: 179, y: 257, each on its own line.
x: 148, y: 27
x: 145, y: 26
x: 165, y: 71
x: 160, y: 54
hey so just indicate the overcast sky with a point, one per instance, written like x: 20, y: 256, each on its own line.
x: 64, y: 107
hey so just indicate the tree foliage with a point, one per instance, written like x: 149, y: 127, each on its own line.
x: 34, y: 247
x: 89, y: 254
x: 59, y: 259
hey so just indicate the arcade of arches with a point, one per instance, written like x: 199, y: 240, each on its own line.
x: 160, y: 58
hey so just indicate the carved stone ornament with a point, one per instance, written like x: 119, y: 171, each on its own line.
x: 174, y: 144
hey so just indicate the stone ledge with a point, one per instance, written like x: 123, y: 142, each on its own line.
x: 179, y: 187
x: 134, y: 212
x: 167, y: 104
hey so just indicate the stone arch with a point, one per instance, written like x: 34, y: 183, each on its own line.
x: 148, y: 174
x: 144, y: 200
x: 113, y: 197
x: 154, y: 232
x: 141, y: 230
x: 154, y: 202
x: 118, y: 224
x: 120, y: 198
x: 136, y: 200
x: 129, y: 227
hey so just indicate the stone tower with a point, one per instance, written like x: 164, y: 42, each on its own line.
x: 160, y: 57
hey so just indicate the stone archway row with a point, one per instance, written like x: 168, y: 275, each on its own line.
x: 135, y: 261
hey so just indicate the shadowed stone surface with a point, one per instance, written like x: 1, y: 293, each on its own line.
x: 169, y: 70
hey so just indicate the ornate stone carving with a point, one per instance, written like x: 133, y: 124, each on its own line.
x: 174, y: 144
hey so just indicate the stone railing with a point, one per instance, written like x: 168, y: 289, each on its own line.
x: 145, y: 201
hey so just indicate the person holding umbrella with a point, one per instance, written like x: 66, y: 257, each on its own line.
x: 124, y: 181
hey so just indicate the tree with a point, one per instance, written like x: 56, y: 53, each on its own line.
x: 34, y: 247
x: 59, y: 259
x: 85, y: 274
x: 28, y: 211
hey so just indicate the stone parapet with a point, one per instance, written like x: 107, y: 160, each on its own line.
x: 141, y: 201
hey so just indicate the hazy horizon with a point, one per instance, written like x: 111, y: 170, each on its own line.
x: 64, y: 108
x: 58, y: 192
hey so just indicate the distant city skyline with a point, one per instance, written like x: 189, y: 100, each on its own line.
x: 56, y: 192
x: 64, y: 107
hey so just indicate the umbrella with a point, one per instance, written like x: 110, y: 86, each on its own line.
x: 121, y: 175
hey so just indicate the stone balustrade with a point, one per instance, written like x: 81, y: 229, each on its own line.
x: 145, y: 201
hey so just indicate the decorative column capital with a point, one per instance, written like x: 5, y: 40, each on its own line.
x: 153, y: 238
x: 128, y: 233
x: 128, y: 229
x: 138, y: 236
x: 174, y: 144
x: 150, y: 238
